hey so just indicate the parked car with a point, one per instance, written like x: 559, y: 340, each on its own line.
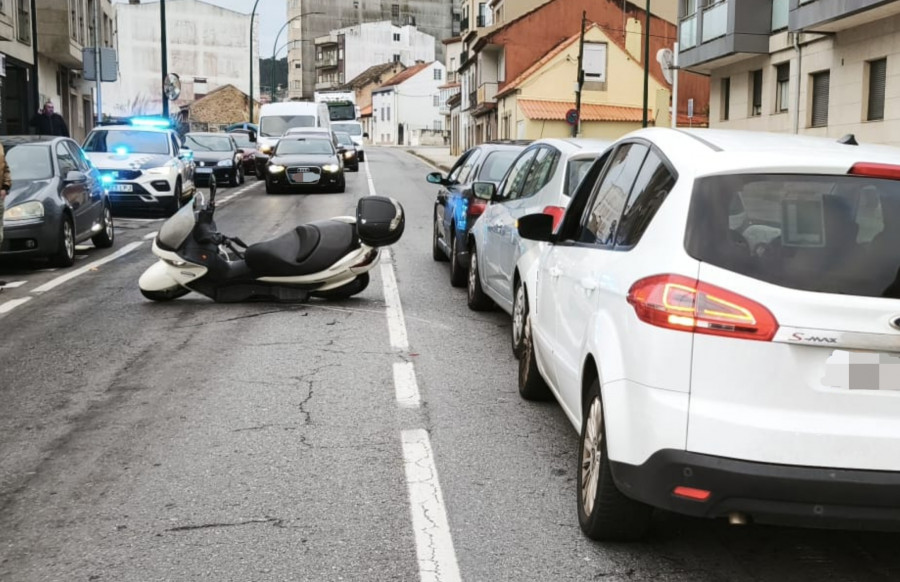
x: 57, y: 200
x: 456, y: 207
x: 216, y: 154
x: 703, y: 378
x: 347, y: 148
x: 143, y: 165
x: 303, y: 163
x: 246, y: 142
x: 542, y: 179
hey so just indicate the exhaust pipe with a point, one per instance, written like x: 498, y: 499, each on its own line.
x: 737, y: 518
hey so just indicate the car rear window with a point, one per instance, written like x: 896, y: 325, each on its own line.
x: 831, y: 234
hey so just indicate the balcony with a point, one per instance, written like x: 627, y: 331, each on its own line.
x: 56, y: 40
x: 487, y: 93
x: 327, y: 85
x: 835, y: 15
x: 464, y: 25
x: 328, y: 61
x: 482, y: 21
x: 724, y: 33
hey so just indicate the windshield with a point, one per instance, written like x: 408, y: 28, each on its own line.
x: 831, y: 234
x: 344, y: 139
x: 304, y: 146
x: 176, y: 229
x: 341, y: 110
x: 242, y: 140
x: 127, y: 141
x: 208, y: 143
x: 29, y: 162
x: 276, y: 125
x: 496, y: 165
x: 351, y: 128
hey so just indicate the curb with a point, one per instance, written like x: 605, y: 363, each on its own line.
x: 431, y: 162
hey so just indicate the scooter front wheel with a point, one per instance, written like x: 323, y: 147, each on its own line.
x: 346, y: 290
x: 166, y: 294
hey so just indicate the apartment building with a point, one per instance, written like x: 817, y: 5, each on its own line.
x: 41, y: 44
x: 345, y: 53
x: 819, y: 67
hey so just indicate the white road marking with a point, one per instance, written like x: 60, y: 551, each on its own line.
x: 12, y: 284
x: 54, y: 283
x: 12, y: 304
x: 150, y: 235
x: 405, y: 385
x: 434, y: 545
x: 232, y: 195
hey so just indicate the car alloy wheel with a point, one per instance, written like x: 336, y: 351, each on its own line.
x: 532, y: 385
x: 457, y: 276
x: 107, y: 235
x: 520, y: 312
x: 475, y: 296
x: 65, y: 250
x: 591, y: 455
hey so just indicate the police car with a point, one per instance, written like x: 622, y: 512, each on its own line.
x: 143, y: 164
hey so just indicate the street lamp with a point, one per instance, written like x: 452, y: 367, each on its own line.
x: 274, y: 44
x: 252, y: 17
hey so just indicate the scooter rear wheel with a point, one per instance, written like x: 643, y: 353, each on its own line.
x: 345, y: 291
x: 167, y: 295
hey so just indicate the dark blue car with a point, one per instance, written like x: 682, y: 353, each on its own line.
x: 456, y: 207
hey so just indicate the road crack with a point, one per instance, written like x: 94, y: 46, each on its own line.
x: 275, y: 521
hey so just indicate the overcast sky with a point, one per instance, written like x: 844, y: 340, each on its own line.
x: 271, y: 15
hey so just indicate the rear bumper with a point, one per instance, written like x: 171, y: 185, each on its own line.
x: 767, y: 493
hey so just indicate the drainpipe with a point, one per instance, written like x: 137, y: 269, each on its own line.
x: 35, y: 89
x: 799, y: 52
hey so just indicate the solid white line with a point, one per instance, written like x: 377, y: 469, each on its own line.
x: 12, y: 304
x: 150, y: 235
x: 54, y: 283
x: 434, y: 545
x: 13, y: 284
x: 405, y: 385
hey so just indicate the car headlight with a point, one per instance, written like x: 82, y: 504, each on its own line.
x: 162, y: 170
x: 275, y: 169
x: 349, y: 154
x: 25, y: 211
x: 331, y: 167
x: 266, y: 149
x: 225, y: 163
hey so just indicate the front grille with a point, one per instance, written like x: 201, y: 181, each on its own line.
x: 311, y: 175
x: 123, y: 174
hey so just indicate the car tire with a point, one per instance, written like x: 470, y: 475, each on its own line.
x: 107, y: 235
x: 475, y: 296
x: 532, y: 385
x: 271, y: 188
x: 519, y: 317
x: 233, y: 179
x: 175, y: 205
x: 241, y: 177
x: 65, y: 246
x: 436, y: 253
x: 342, y: 185
x: 457, y: 274
x: 362, y: 156
x: 167, y: 294
x: 345, y: 291
x: 604, y: 512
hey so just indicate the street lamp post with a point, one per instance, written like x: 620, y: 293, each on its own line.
x: 274, y: 44
x: 252, y: 17
x: 165, y: 64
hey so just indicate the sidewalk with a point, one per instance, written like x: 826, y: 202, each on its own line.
x: 435, y: 155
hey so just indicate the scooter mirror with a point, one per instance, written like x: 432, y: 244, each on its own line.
x: 212, y: 188
x: 199, y: 201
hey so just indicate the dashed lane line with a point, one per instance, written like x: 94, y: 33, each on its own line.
x: 405, y: 385
x: 13, y: 284
x: 8, y: 306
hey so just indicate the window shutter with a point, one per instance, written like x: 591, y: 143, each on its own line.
x: 877, y: 77
x: 820, y: 99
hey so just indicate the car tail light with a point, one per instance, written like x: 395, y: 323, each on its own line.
x: 685, y: 304
x: 691, y: 493
x: 873, y: 170
x: 476, y: 207
x: 556, y: 212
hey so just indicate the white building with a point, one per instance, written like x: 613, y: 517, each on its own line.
x: 406, y: 109
x: 345, y: 53
x: 208, y: 48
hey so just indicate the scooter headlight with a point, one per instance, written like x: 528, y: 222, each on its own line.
x: 276, y: 169
x: 331, y: 168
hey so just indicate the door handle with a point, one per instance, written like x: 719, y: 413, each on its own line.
x: 588, y: 284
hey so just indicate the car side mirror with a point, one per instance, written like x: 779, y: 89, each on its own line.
x: 365, y: 136
x: 436, y: 178
x: 75, y: 177
x: 484, y: 190
x: 186, y: 154
x: 537, y: 227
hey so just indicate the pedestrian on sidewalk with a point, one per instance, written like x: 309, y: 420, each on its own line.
x: 5, y: 185
x: 49, y: 123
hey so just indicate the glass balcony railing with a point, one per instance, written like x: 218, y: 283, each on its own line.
x: 687, y: 37
x: 780, y: 14
x: 715, y: 21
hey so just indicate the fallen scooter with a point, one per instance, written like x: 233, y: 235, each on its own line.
x: 329, y: 259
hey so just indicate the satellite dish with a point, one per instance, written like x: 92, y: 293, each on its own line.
x: 172, y: 86
x: 666, y: 59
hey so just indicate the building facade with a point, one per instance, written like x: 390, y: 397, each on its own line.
x: 818, y: 67
x: 311, y: 19
x: 345, y: 53
x: 406, y: 109
x: 208, y: 48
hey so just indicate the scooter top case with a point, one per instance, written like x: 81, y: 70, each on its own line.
x: 379, y: 220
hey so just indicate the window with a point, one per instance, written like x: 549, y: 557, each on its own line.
x: 605, y: 210
x: 396, y: 58
x: 395, y: 11
x: 782, y: 82
x: 541, y: 171
x: 515, y: 179
x: 78, y: 156
x: 726, y: 98
x: 453, y: 176
x: 437, y: 100
x: 877, y: 78
x: 66, y: 161
x: 438, y: 125
x: 820, y: 83
x: 388, y: 112
x: 23, y: 23
x: 382, y: 114
x: 756, y: 80
x: 396, y: 37
x: 652, y: 186
x: 575, y: 173
x: 438, y: 74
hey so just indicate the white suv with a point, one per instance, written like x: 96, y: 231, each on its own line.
x: 142, y: 167
x: 711, y: 370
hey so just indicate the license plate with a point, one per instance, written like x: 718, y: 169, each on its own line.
x: 862, y: 371
x: 304, y: 177
x: 204, y: 170
x: 121, y: 188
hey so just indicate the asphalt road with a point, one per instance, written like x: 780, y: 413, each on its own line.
x: 195, y: 441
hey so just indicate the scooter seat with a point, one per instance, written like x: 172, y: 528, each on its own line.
x: 307, y: 249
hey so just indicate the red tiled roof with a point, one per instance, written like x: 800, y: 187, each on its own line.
x: 404, y: 75
x: 365, y: 111
x: 539, y: 110
x: 450, y: 86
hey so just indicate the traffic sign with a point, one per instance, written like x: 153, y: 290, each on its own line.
x: 572, y: 116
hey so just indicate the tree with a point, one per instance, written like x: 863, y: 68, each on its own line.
x: 265, y: 74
